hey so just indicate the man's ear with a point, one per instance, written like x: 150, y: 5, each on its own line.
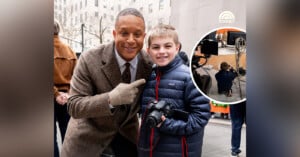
x: 114, y: 33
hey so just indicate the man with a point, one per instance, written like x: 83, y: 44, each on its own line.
x: 64, y: 64
x: 103, y: 110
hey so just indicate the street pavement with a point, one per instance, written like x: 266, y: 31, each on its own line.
x: 217, y: 139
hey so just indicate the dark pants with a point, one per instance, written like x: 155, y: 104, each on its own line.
x: 62, y: 117
x: 238, y: 118
x: 120, y: 147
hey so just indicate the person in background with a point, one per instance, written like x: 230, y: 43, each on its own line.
x: 238, y: 118
x: 225, y: 77
x: 64, y: 64
x: 105, y: 91
x: 170, y: 84
x: 183, y: 56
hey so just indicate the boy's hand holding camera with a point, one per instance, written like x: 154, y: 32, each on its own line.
x: 125, y: 93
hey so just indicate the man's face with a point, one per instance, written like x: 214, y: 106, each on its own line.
x: 129, y: 36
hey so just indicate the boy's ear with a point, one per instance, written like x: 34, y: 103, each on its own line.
x: 177, y: 47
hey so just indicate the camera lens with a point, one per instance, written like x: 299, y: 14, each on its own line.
x: 151, y: 122
x: 153, y: 119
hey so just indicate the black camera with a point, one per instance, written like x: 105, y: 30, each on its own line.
x: 158, y: 108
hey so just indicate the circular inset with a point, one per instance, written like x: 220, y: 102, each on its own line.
x: 218, y: 65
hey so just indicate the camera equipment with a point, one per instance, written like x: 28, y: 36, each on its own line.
x: 209, y: 47
x: 233, y: 35
x: 159, y: 108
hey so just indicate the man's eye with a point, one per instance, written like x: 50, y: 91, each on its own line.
x: 137, y: 35
x: 124, y: 33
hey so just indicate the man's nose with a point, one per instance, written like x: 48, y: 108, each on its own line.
x: 130, y: 38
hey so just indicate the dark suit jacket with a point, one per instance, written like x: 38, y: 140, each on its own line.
x: 92, y: 125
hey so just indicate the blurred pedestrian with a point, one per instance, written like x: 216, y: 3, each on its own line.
x: 183, y: 56
x: 64, y: 64
x: 105, y: 91
x: 238, y: 118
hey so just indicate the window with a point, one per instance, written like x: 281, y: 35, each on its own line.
x: 96, y: 3
x: 119, y: 7
x: 81, y: 19
x: 85, y: 16
x: 64, y: 2
x: 65, y: 16
x: 161, y: 4
x: 160, y: 20
x: 60, y: 18
x: 85, y: 3
x: 112, y: 17
x: 150, y: 8
x: 80, y: 6
x: 72, y: 21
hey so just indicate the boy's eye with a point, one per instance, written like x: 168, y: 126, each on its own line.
x: 155, y: 47
x: 168, y: 46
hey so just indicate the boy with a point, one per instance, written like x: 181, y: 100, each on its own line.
x: 170, y: 82
x: 224, y: 78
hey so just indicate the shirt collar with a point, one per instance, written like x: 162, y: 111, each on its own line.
x: 121, y: 61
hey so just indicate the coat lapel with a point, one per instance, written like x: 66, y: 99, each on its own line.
x: 110, y: 66
x: 144, y: 67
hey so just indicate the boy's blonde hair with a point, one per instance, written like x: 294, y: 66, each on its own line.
x: 162, y: 30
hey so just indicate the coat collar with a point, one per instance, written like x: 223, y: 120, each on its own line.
x: 111, y: 67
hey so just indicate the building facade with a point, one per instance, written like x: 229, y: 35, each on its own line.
x: 196, y: 18
x: 93, y: 20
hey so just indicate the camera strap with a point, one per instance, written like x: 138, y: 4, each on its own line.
x: 158, y: 74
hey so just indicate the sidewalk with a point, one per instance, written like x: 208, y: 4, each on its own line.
x: 217, y: 138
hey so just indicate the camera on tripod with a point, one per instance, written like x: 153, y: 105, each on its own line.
x: 159, y: 108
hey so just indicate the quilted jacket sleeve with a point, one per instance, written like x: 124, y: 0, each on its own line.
x: 199, y: 114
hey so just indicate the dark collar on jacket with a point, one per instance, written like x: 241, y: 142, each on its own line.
x: 176, y: 62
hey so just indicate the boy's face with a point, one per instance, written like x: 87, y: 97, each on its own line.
x: 129, y: 36
x: 162, y: 50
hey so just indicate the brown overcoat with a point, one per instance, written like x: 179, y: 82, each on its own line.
x: 92, y: 125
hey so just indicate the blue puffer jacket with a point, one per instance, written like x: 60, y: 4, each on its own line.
x: 174, y: 138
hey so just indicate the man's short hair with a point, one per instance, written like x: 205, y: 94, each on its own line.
x: 129, y: 11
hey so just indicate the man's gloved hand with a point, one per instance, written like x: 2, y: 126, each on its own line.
x: 125, y: 93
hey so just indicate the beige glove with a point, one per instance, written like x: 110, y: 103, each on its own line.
x: 125, y: 93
